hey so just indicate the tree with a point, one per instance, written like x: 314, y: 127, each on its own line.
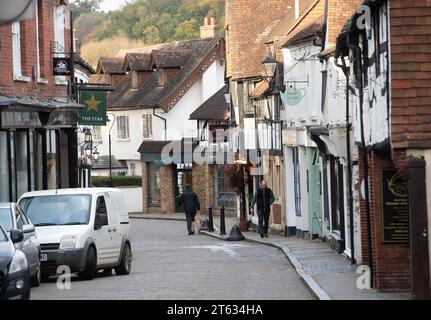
x: 80, y: 7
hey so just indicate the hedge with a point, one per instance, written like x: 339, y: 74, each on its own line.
x: 117, y: 181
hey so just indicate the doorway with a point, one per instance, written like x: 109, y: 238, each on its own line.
x: 183, y: 176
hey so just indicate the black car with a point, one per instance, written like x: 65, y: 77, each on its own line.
x: 14, y: 270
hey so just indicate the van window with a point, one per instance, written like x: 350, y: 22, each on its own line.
x: 58, y: 209
x: 101, y: 210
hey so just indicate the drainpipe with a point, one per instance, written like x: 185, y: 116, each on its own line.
x: 358, y: 56
x: 325, y: 25
x: 163, y: 119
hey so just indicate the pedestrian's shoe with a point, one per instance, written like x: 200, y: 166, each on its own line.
x: 191, y: 233
x: 261, y: 235
x: 266, y: 235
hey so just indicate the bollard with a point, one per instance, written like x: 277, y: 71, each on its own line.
x: 222, y: 222
x: 210, y: 219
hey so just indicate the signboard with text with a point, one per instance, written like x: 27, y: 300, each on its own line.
x: 395, y: 207
x: 94, y: 113
x: 62, y: 66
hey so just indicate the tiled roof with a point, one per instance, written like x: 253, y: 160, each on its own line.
x: 84, y: 64
x: 103, y: 163
x: 308, y: 32
x: 110, y: 65
x: 215, y: 108
x: 137, y: 62
x: 189, y: 54
x: 171, y: 58
x: 261, y: 89
x: 310, y: 15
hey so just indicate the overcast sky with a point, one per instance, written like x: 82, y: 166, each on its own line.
x: 109, y: 5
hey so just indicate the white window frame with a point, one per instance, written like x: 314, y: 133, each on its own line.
x: 59, y: 37
x: 123, y: 128
x: 147, y: 126
x: 39, y: 78
x: 16, y: 53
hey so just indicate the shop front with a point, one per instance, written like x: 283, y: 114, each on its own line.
x: 38, y: 146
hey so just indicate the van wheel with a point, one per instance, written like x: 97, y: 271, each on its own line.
x: 126, y: 262
x: 90, y: 265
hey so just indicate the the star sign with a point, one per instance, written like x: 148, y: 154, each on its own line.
x: 93, y: 104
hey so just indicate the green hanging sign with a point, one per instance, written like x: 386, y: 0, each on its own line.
x: 94, y: 113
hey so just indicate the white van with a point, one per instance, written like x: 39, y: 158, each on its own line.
x: 85, y: 229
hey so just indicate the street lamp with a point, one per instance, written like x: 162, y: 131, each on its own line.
x: 269, y: 65
x: 96, y: 155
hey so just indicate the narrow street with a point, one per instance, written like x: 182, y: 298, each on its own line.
x: 168, y: 264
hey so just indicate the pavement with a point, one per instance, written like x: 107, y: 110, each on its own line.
x: 329, y: 275
x: 170, y: 265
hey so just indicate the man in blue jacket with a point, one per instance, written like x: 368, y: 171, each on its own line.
x: 264, y: 198
x: 190, y: 202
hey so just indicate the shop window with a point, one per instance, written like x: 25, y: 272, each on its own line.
x: 225, y: 195
x: 4, y: 167
x: 154, y: 191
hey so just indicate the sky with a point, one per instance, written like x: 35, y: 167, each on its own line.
x: 110, y: 5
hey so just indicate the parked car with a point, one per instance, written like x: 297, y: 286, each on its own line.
x: 12, y: 217
x: 85, y: 229
x: 14, y: 270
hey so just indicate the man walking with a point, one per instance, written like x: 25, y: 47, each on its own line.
x: 264, y: 198
x: 190, y: 202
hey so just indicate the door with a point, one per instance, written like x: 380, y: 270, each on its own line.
x: 102, y: 235
x: 314, y: 193
x: 183, y: 176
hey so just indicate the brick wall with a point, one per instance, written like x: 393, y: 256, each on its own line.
x: 203, y: 185
x: 246, y: 22
x: 32, y: 88
x: 167, y: 189
x: 391, y: 261
x: 411, y: 77
x: 339, y: 11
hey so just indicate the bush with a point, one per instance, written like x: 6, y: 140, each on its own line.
x: 117, y: 181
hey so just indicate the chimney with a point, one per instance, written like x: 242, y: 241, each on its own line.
x: 210, y: 28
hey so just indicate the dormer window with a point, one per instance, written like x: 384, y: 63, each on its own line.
x: 162, y: 77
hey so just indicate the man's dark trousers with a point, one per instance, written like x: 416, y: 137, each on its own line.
x: 190, y: 217
x: 263, y: 222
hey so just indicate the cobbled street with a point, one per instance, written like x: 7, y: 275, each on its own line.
x: 168, y: 264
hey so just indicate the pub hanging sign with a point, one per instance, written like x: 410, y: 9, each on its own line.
x: 94, y: 113
x: 62, y: 66
x: 395, y: 207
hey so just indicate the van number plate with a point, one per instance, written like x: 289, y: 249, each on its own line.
x: 43, y: 257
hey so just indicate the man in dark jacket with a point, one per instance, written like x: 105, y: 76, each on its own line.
x: 264, y: 198
x: 190, y: 202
